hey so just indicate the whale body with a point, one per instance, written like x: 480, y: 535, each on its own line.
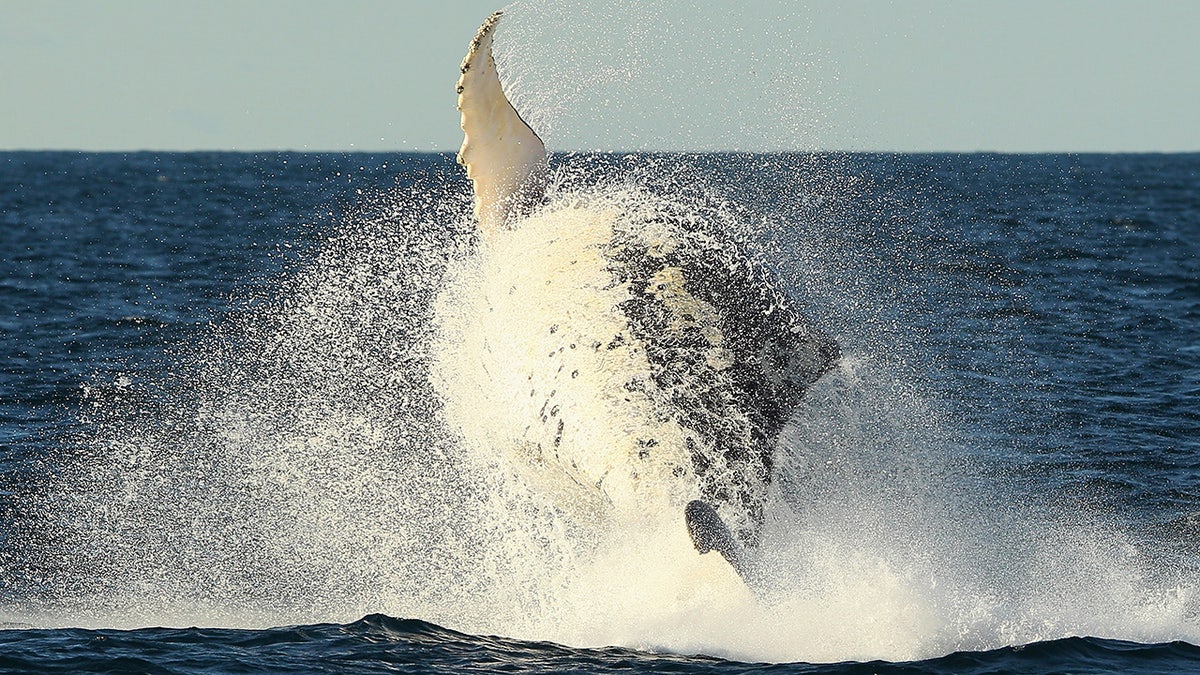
x: 627, y: 356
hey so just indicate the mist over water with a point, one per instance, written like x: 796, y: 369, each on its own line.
x: 598, y: 80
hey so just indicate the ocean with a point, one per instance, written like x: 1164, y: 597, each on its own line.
x: 231, y: 437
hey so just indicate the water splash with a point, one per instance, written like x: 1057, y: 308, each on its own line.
x: 299, y: 465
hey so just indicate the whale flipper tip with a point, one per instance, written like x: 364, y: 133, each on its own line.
x: 504, y: 158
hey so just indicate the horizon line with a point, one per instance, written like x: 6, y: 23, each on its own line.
x: 811, y: 151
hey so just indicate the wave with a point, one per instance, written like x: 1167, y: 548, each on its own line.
x: 379, y: 643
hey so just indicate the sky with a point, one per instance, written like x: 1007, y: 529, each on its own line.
x: 378, y: 75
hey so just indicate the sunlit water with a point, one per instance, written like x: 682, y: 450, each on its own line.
x: 229, y: 401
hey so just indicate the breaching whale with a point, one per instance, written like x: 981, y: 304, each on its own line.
x: 630, y: 325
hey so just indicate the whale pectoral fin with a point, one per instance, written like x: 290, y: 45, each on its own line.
x: 504, y: 158
x: 709, y: 533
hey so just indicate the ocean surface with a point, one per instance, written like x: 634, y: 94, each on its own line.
x: 219, y: 408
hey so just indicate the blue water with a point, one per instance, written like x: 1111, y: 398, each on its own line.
x: 202, y: 422
x: 382, y: 644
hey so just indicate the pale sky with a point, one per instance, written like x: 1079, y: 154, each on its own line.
x: 908, y: 75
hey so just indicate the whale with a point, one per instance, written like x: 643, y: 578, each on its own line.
x: 632, y: 326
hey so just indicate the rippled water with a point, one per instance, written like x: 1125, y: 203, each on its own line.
x: 202, y: 421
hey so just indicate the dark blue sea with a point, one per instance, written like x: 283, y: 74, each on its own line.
x: 222, y: 448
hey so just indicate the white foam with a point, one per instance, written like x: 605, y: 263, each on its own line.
x: 303, y: 471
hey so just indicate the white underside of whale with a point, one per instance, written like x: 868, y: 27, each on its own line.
x: 531, y: 326
x: 538, y: 355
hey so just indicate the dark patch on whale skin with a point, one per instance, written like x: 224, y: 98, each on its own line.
x: 733, y: 410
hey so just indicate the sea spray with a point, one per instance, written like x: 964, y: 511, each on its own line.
x: 297, y: 465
